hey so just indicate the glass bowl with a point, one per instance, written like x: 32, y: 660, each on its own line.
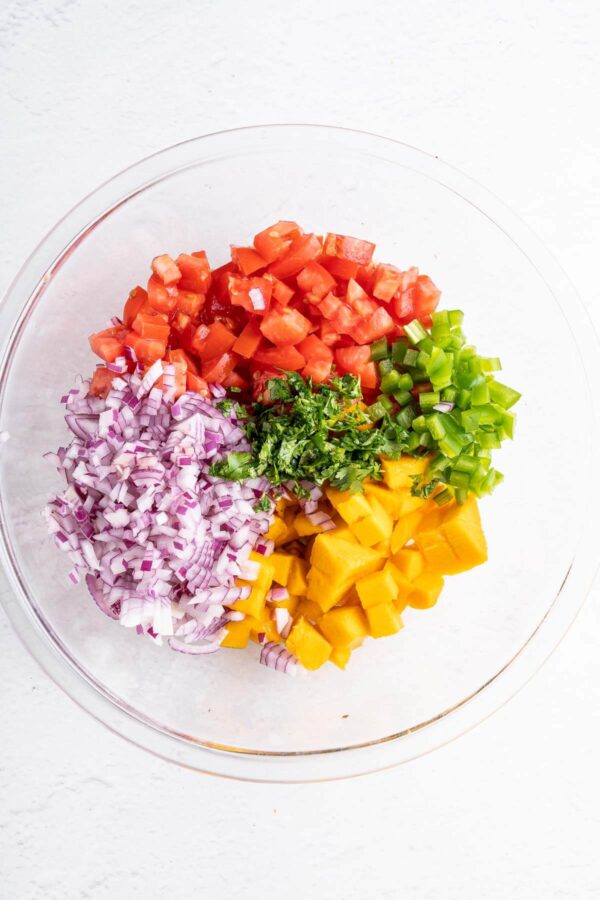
x: 451, y: 666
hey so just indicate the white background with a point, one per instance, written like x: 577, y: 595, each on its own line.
x: 507, y: 91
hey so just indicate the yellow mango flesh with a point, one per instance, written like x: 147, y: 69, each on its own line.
x: 309, y: 609
x: 340, y: 656
x: 452, y: 540
x: 354, y: 508
x: 403, y: 585
x: 282, y: 564
x: 426, y: 590
x: 409, y: 561
x: 384, y: 620
x: 375, y: 527
x: 238, y: 634
x: 308, y: 646
x: 296, y: 583
x: 304, y: 527
x: 397, y: 472
x: 342, y: 561
x: 380, y: 587
x: 404, y: 530
x: 391, y: 501
x: 344, y: 625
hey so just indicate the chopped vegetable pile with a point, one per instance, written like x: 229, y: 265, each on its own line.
x: 302, y: 397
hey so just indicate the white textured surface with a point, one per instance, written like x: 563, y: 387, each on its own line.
x: 505, y: 90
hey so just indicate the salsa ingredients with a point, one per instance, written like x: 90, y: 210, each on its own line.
x: 159, y: 541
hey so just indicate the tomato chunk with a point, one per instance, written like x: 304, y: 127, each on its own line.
x: 357, y: 361
x: 315, y: 279
x: 274, y: 241
x: 426, y: 296
x: 375, y: 326
x: 138, y: 298
x: 249, y: 340
x: 345, y: 319
x: 247, y: 259
x: 252, y: 294
x: 160, y: 297
x: 213, y: 340
x: 101, y: 381
x: 166, y: 269
x: 147, y: 350
x: 151, y: 326
x: 216, y: 370
x: 108, y: 344
x: 285, y: 325
x: 344, y: 269
x: 280, y: 358
x: 387, y: 281
x: 349, y: 248
x: 303, y: 249
x: 359, y: 300
x: 195, y: 383
x: 190, y: 303
x: 195, y: 272
x: 234, y: 379
x: 319, y: 358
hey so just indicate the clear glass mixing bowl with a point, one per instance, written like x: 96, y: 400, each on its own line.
x: 451, y: 666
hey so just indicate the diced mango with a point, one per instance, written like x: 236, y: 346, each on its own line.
x: 296, y: 583
x: 282, y: 564
x: 383, y: 547
x: 397, y: 472
x: 392, y: 501
x: 403, y: 585
x: 384, y: 619
x: 238, y: 634
x: 342, y: 561
x: 322, y: 589
x: 410, y: 562
x: 307, y: 645
x: 343, y: 533
x: 254, y: 604
x: 309, y: 609
x: 344, y: 625
x: 462, y: 529
x: 340, y: 656
x: 376, y: 527
x: 405, y: 529
x: 277, y: 530
x: 379, y: 587
x: 336, y: 497
x: 437, y: 552
x: 267, y: 569
x: 426, y: 590
x: 354, y: 508
x: 291, y: 604
x: 304, y: 527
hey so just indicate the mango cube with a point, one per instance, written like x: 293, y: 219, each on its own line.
x: 380, y: 587
x: 254, y: 604
x: 374, y: 528
x: 426, y: 590
x: 340, y: 656
x: 392, y: 501
x: 309, y: 609
x: 238, y: 634
x: 405, y: 529
x: 296, y: 583
x: 403, y: 585
x: 384, y: 620
x: 282, y: 564
x: 343, y: 625
x: 323, y: 590
x: 343, y: 561
x: 277, y: 530
x: 304, y: 527
x: 397, y: 472
x: 308, y: 646
x: 410, y: 562
x: 354, y: 508
x: 462, y: 529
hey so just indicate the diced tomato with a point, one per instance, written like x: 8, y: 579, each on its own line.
x: 281, y: 292
x: 195, y: 272
x: 359, y: 300
x: 366, y: 277
x: 345, y: 319
x: 387, y: 281
x: 108, y: 344
x: 315, y: 279
x: 147, y: 350
x: 280, y: 358
x: 409, y: 278
x: 166, y: 269
x: 101, y: 381
x: 349, y: 248
x: 402, y: 304
x: 329, y: 335
x: 426, y: 296
x: 252, y: 294
x: 357, y: 361
x: 138, y: 298
x: 284, y: 325
x: 212, y: 340
x: 216, y: 370
x: 319, y: 358
x: 376, y: 326
x: 274, y: 241
x: 151, y: 326
x: 190, y: 303
x: 345, y: 269
x: 303, y: 249
x: 247, y: 260
x: 197, y: 384
x: 160, y: 297
x: 329, y: 306
x: 234, y: 379
x: 249, y: 340
x: 180, y: 322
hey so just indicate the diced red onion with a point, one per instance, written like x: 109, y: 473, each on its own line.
x: 257, y: 299
x: 444, y: 407
x: 275, y: 656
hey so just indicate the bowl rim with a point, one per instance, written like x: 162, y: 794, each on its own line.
x: 314, y: 765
